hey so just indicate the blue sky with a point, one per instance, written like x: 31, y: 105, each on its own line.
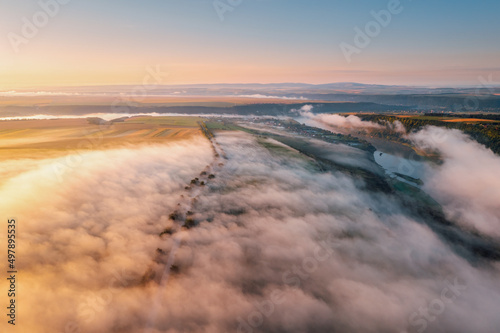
x: 437, y: 42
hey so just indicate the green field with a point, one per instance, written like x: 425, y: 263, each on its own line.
x: 226, y: 126
x: 180, y: 121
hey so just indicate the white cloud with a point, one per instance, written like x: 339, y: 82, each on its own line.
x: 336, y: 120
x: 268, y: 224
x: 468, y: 182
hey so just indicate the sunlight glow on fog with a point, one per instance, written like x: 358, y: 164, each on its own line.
x: 92, y: 255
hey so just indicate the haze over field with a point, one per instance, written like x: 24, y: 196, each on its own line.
x: 284, y: 166
x: 464, y: 182
x: 278, y: 243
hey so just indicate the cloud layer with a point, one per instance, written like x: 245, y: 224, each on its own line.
x: 277, y: 246
x: 336, y: 120
x: 468, y: 182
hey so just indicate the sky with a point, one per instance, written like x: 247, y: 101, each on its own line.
x: 95, y: 42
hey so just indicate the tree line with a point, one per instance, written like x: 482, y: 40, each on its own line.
x: 487, y: 134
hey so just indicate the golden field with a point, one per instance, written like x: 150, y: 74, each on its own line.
x: 33, y: 139
x: 26, y: 143
x: 469, y: 120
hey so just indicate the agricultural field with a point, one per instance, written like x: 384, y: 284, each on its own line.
x: 24, y: 143
x: 33, y: 139
x: 469, y: 120
x: 225, y: 125
x: 449, y: 120
x: 168, y: 121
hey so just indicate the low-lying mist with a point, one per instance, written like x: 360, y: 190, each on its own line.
x: 274, y: 246
x: 467, y: 183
